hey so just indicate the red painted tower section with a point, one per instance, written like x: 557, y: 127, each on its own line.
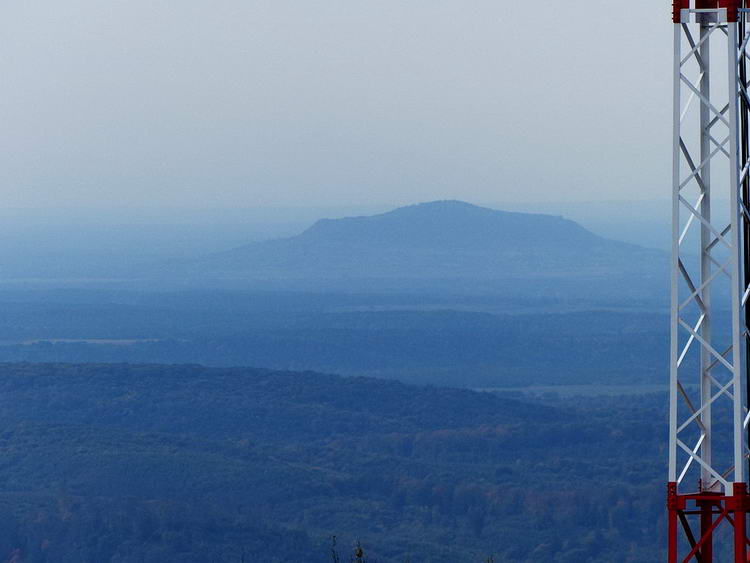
x: 711, y: 511
x: 732, y: 7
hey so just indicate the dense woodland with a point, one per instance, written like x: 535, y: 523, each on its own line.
x: 156, y: 463
x: 459, y: 341
x: 117, y: 446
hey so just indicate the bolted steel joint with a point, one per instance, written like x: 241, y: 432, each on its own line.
x: 672, y: 496
x: 677, y: 7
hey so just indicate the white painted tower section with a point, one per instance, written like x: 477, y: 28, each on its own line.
x: 708, y: 400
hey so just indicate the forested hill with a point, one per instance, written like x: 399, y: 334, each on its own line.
x: 456, y: 225
x: 158, y: 463
x: 431, y: 245
x: 270, y: 405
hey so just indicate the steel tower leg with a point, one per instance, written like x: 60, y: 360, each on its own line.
x: 672, y: 516
x: 707, y: 520
x: 710, y: 274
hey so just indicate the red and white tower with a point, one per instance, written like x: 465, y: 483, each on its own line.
x: 708, y: 424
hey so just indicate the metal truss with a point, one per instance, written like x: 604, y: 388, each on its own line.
x: 708, y: 424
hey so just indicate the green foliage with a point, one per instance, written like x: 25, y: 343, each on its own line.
x: 118, y: 463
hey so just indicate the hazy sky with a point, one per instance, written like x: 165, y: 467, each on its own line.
x: 332, y: 102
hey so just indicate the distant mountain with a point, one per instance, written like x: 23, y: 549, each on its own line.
x: 445, y: 242
x: 449, y: 225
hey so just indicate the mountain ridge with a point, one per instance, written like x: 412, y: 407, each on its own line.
x: 445, y: 222
x: 444, y: 245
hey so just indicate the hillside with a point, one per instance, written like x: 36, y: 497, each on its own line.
x: 428, y: 340
x: 184, y: 463
x: 443, y: 243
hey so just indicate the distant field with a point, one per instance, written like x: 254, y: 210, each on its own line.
x: 100, y: 341
x: 590, y: 390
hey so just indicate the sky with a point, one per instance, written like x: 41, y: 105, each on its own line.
x: 255, y: 103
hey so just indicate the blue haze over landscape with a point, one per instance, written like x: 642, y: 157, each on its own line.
x: 284, y: 281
